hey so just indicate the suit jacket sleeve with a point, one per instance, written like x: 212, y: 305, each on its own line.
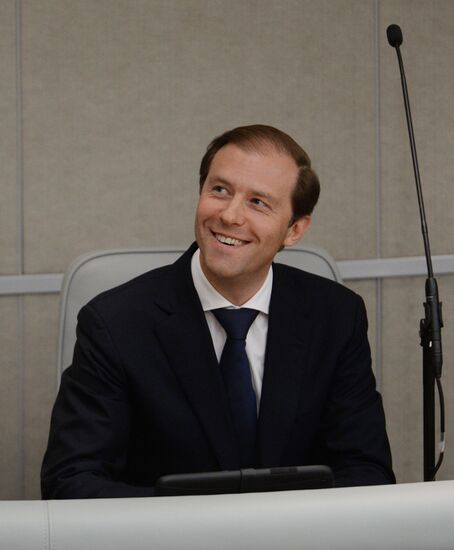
x: 353, y: 426
x: 90, y: 422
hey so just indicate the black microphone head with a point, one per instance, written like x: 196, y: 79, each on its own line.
x: 394, y: 34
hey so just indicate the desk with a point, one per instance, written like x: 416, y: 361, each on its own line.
x: 408, y: 516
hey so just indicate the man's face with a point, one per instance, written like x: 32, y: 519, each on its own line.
x: 243, y: 216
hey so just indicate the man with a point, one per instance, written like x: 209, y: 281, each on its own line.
x: 147, y: 395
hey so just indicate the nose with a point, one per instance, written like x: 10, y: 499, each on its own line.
x: 233, y: 213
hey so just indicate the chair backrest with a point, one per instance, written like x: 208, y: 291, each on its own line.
x: 93, y: 273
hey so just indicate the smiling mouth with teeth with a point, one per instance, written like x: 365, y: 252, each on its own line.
x: 228, y: 240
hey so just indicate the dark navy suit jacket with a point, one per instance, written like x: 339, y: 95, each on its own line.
x: 144, y: 396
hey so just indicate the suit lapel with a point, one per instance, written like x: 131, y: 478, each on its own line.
x: 187, y: 342
x: 286, y: 367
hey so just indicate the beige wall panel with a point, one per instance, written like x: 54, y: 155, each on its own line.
x: 40, y: 372
x: 402, y: 373
x: 428, y: 53
x: 10, y: 402
x: 121, y: 98
x: 8, y: 236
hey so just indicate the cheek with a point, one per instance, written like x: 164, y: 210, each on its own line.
x: 199, y: 216
x: 205, y: 209
x: 273, y: 233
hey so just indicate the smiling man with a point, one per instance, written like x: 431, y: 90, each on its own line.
x: 222, y: 360
x: 244, y: 217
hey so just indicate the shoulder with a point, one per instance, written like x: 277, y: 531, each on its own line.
x: 158, y: 287
x: 294, y: 276
x: 315, y: 291
x: 148, y: 283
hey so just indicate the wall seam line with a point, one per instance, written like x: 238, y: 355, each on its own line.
x: 378, y: 196
x: 20, y: 245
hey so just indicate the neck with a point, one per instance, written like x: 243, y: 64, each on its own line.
x: 238, y: 297
x: 238, y: 292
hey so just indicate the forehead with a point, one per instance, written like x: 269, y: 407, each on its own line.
x: 267, y: 167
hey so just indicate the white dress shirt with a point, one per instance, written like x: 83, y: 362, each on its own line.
x: 256, y: 337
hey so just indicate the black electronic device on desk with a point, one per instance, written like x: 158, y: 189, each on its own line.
x: 246, y: 481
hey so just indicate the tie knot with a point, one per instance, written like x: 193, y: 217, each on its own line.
x: 236, y: 322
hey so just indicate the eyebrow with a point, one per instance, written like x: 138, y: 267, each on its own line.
x: 260, y: 194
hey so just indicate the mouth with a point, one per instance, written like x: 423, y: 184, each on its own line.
x: 229, y: 241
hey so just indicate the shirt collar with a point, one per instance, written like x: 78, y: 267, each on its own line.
x: 210, y: 298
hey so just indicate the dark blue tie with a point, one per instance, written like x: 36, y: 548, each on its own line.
x: 236, y: 373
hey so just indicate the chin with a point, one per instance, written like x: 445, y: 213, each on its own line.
x: 221, y: 272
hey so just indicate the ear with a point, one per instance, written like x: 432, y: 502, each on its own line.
x: 297, y: 230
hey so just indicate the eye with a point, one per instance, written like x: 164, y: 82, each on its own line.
x: 219, y: 189
x: 259, y: 203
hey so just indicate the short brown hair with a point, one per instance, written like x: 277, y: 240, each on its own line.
x: 259, y: 136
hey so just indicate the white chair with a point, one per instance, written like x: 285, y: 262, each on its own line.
x: 95, y: 272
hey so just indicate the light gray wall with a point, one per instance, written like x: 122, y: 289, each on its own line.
x: 107, y: 107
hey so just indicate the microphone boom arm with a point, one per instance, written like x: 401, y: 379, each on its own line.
x: 430, y: 326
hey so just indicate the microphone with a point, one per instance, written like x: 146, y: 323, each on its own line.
x: 431, y: 325
x: 394, y: 34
